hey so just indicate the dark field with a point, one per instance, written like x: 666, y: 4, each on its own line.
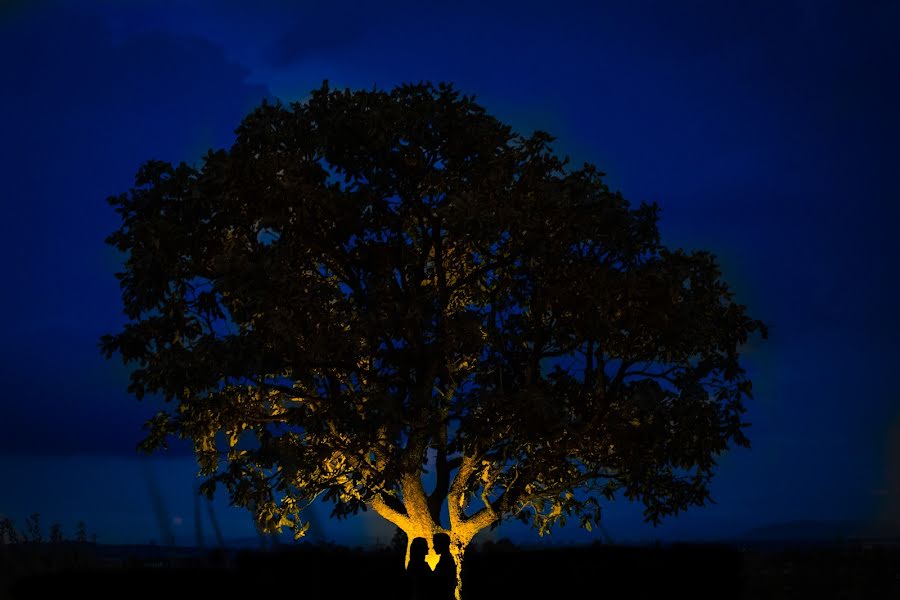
x: 840, y: 571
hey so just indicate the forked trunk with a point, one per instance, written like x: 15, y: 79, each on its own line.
x: 417, y: 520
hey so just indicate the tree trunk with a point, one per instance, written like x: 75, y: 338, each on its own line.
x: 417, y: 519
x: 457, y: 550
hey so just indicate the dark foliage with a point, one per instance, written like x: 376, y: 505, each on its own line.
x: 366, y: 276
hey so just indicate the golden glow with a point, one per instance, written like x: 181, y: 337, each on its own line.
x: 432, y: 558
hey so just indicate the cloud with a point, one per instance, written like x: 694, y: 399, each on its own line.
x: 317, y: 31
x: 82, y: 113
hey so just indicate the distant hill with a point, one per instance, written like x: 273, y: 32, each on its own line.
x: 822, y: 531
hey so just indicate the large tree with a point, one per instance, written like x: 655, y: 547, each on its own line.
x: 370, y: 285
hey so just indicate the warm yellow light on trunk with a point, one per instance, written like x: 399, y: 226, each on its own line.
x: 432, y: 558
x: 416, y: 521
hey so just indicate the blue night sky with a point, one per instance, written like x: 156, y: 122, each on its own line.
x: 768, y: 132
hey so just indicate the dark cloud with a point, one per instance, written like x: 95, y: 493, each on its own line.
x: 82, y: 114
x: 320, y: 29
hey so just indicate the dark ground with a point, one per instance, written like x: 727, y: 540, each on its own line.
x: 835, y: 571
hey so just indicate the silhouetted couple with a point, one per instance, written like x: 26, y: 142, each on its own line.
x: 425, y: 584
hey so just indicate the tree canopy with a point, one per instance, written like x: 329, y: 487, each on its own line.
x: 368, y: 285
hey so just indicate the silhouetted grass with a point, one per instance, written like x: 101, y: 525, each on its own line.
x: 334, y: 572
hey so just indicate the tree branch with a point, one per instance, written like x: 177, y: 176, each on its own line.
x: 620, y: 374
x: 389, y: 508
x: 663, y: 375
x: 442, y: 485
x: 588, y: 379
x: 458, y: 495
x: 482, y: 270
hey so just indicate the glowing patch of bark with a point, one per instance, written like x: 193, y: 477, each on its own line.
x: 432, y: 558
